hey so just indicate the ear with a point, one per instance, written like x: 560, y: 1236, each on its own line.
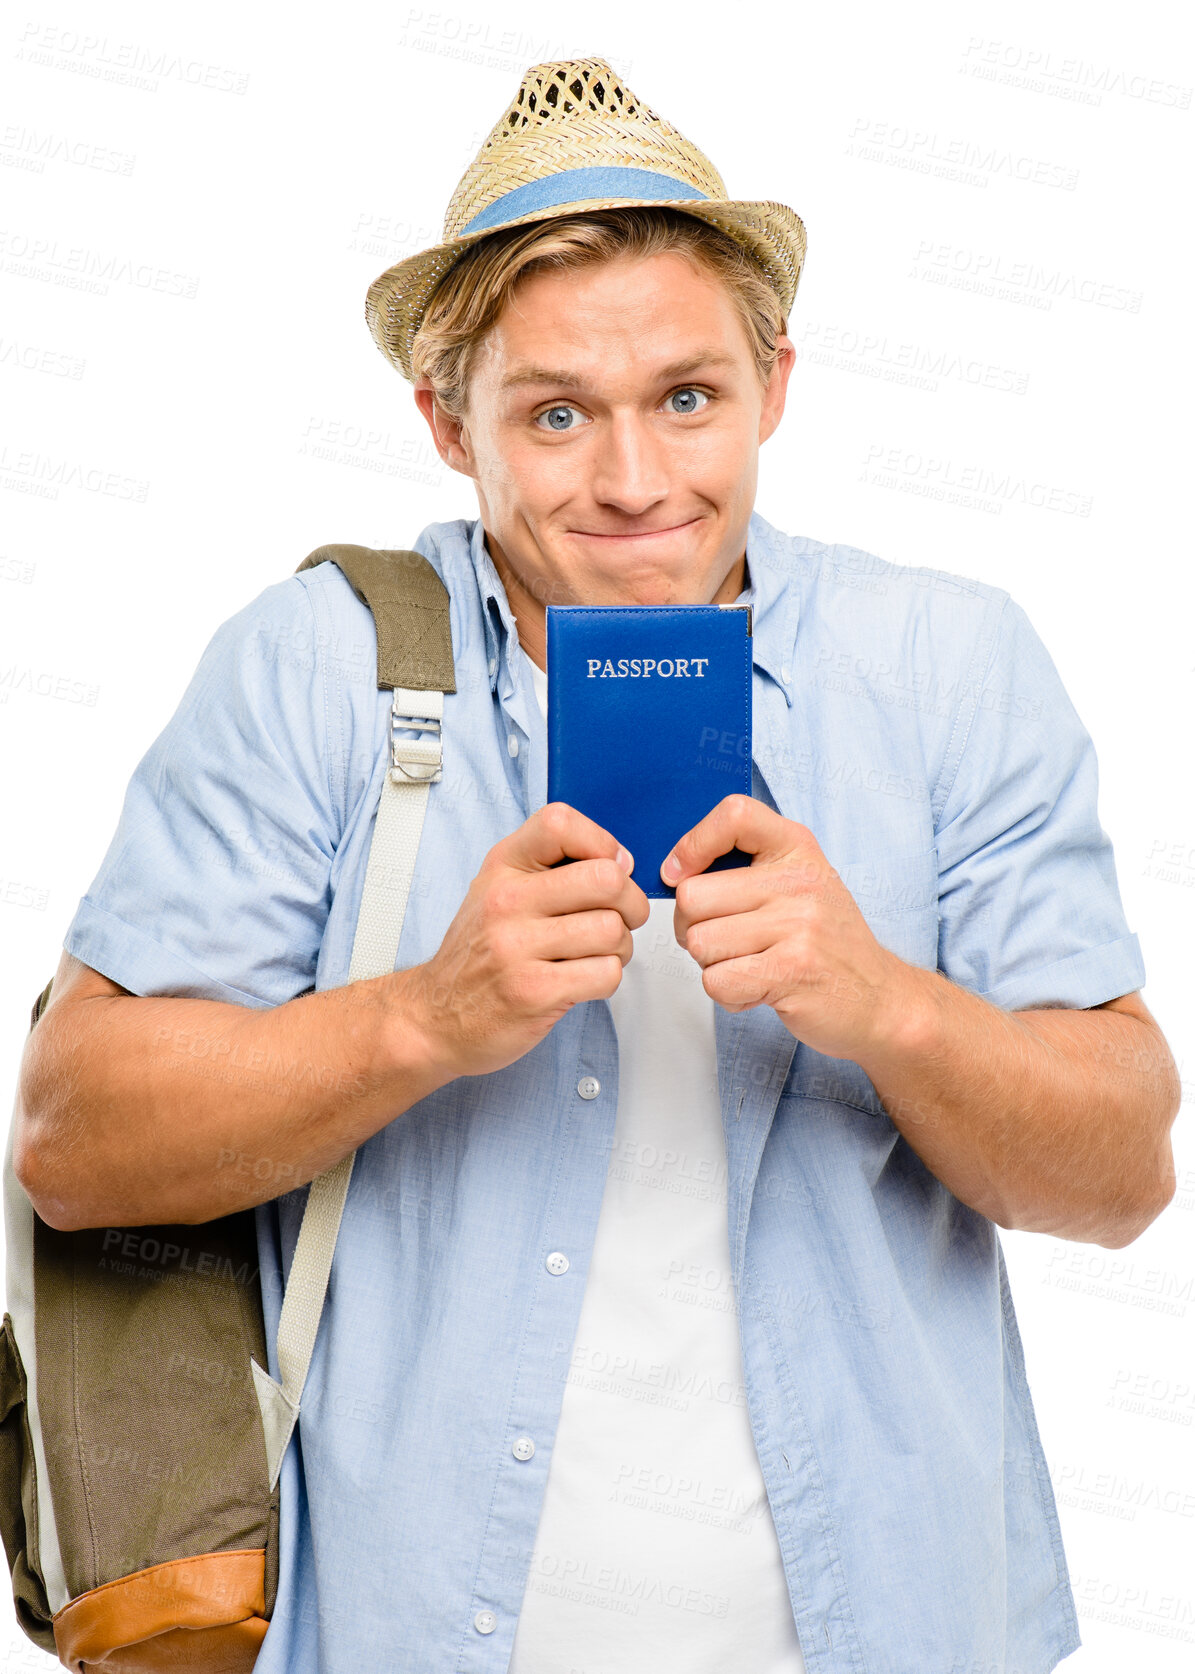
x: 448, y: 436
x: 772, y: 409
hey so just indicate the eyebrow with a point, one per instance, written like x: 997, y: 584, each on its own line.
x: 571, y: 380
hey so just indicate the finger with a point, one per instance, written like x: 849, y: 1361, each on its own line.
x: 740, y: 889
x: 738, y: 984
x: 737, y: 821
x: 557, y: 832
x: 595, y: 978
x: 794, y: 878
x: 737, y: 937
x: 585, y: 884
x: 584, y: 935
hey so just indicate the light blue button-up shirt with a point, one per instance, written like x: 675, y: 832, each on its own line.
x: 913, y: 720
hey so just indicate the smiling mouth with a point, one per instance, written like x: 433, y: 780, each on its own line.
x: 642, y: 535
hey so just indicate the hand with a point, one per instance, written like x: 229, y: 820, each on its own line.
x: 530, y: 939
x: 784, y: 931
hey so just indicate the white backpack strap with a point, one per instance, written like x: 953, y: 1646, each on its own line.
x: 414, y: 764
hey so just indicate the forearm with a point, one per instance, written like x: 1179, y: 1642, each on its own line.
x: 1045, y: 1121
x: 138, y: 1111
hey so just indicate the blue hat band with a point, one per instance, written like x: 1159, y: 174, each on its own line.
x: 575, y: 186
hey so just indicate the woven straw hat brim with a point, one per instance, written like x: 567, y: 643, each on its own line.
x: 397, y: 299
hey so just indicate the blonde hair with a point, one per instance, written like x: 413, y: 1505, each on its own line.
x: 473, y: 293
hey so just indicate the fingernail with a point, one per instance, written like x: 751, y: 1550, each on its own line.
x: 625, y: 858
x: 670, y: 868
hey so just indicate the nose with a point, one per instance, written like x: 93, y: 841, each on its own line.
x: 629, y: 467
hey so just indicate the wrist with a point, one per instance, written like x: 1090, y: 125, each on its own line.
x: 910, y: 1024
x: 413, y: 1048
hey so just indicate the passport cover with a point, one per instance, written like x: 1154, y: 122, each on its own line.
x: 649, y: 721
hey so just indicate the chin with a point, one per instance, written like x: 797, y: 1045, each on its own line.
x: 663, y: 591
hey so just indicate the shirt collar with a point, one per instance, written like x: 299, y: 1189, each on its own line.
x: 500, y: 628
x: 771, y: 592
x: 775, y: 599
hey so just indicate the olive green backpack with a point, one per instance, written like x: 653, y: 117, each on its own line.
x: 141, y: 1434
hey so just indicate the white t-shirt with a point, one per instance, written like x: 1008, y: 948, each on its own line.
x: 656, y: 1550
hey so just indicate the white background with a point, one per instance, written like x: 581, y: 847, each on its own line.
x: 996, y: 306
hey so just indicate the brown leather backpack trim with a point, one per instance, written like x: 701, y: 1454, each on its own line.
x: 204, y: 1613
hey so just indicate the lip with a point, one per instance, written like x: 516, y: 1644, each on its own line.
x: 645, y: 535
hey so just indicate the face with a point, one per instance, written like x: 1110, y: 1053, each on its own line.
x: 613, y: 437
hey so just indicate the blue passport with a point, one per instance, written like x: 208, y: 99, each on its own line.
x: 649, y: 721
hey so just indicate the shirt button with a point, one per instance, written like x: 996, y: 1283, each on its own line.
x: 557, y: 1262
x: 485, y: 1621
x: 512, y: 744
x: 523, y: 1448
x: 589, y: 1086
x: 493, y: 667
x: 786, y: 674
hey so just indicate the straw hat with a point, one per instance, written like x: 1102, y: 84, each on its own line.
x: 576, y: 138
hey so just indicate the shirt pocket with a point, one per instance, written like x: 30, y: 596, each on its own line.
x: 837, y: 1081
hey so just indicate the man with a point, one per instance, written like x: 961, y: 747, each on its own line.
x: 669, y: 1327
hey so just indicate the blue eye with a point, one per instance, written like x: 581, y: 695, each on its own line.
x: 688, y: 393
x: 552, y: 413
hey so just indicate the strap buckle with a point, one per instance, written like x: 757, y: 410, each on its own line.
x: 416, y: 759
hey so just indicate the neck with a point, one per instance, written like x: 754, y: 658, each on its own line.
x: 531, y: 622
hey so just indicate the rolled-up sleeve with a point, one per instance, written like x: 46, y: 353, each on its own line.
x: 1029, y: 909
x: 216, y: 884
